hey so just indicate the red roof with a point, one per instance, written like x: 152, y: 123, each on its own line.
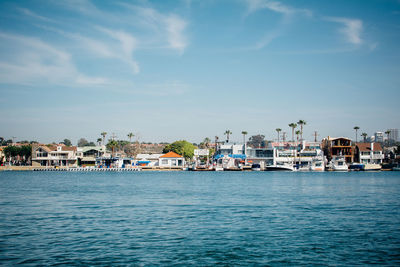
x: 367, y: 146
x: 171, y: 154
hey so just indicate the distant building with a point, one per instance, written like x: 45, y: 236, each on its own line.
x: 368, y: 153
x: 379, y: 137
x: 394, y: 135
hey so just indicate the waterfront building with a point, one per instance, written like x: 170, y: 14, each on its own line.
x: 368, y: 153
x: 150, y: 160
x: 337, y: 146
x: 54, y: 155
x: 230, y: 155
x: 171, y: 159
x: 114, y: 162
x: 87, y: 155
x: 302, y: 154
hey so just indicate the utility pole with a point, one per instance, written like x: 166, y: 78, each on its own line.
x: 315, y: 136
x: 284, y: 137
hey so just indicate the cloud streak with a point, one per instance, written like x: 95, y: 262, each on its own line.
x: 352, y: 29
x: 34, y: 62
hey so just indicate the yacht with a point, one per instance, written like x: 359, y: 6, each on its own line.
x: 338, y: 163
x: 317, y: 165
x: 280, y: 167
x: 372, y: 167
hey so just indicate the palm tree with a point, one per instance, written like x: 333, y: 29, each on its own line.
x: 365, y: 137
x: 293, y: 126
x: 104, y: 136
x: 278, y: 130
x: 244, y: 136
x: 298, y: 132
x: 206, y: 142
x: 99, y: 141
x: 130, y: 135
x: 113, y: 144
x: 244, y: 144
x: 387, y: 133
x: 227, y: 133
x: 301, y: 123
x: 356, y: 128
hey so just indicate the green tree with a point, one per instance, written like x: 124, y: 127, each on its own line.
x: 67, y: 142
x: 182, y: 147
x: 82, y: 142
x: 113, y: 144
x: 293, y: 126
x: 227, y: 133
x: 356, y: 128
x: 278, y: 130
x: 256, y: 141
x: 301, y: 123
x: 387, y: 134
x: 104, y: 134
x: 99, y: 141
x: 365, y: 137
x: 130, y: 136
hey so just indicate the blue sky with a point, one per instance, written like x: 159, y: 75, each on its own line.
x: 169, y: 70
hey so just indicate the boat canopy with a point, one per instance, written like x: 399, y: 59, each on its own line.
x: 235, y: 156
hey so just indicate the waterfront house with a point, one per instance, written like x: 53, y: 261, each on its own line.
x: 150, y: 160
x: 87, y: 155
x: 368, y: 153
x: 338, y: 146
x: 171, y: 159
x: 54, y: 155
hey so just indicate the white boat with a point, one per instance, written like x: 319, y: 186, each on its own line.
x: 372, y: 167
x: 317, y: 166
x: 338, y: 163
x: 280, y: 167
x: 218, y: 168
x: 256, y: 167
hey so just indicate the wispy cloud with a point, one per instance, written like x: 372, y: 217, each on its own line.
x: 255, y: 5
x: 169, y: 28
x: 34, y: 61
x: 286, y: 11
x: 32, y: 14
x: 352, y: 29
x: 127, y: 45
x: 175, y: 27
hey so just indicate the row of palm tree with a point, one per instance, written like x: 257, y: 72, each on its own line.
x: 229, y: 132
x: 113, y: 143
x: 356, y: 128
x: 294, y: 125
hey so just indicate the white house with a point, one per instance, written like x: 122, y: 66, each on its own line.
x: 148, y: 159
x: 171, y: 159
x: 369, y: 153
x: 54, y: 155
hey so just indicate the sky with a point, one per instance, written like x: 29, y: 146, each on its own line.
x: 172, y: 70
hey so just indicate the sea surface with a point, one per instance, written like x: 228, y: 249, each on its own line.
x: 199, y: 218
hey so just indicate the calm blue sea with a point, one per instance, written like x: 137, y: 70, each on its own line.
x: 199, y: 218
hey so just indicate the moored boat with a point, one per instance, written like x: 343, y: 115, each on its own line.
x: 338, y: 163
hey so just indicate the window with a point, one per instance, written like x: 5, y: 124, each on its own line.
x: 164, y: 162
